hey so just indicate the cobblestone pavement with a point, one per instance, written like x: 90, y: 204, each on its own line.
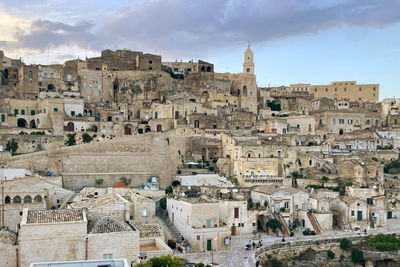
x: 236, y: 255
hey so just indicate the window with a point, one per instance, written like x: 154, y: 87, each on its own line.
x: 315, y: 89
x: 369, y: 201
x: 350, y: 121
x: 144, y: 213
x: 374, y: 89
x: 208, y: 224
x: 55, y: 109
x: 84, y: 85
x: 15, y: 112
x: 150, y: 68
x: 345, y: 89
x: 377, y: 122
x: 198, y: 237
x: 72, y: 113
x: 368, y: 122
x: 3, y: 118
x: 22, y: 111
x: 352, y: 213
x: 33, y: 112
x: 236, y: 213
x: 69, y: 77
x: 359, y: 89
x: 326, y: 89
x: 156, y: 115
x: 30, y: 74
x: 341, y: 121
x: 150, y: 62
x: 51, y: 75
x: 45, y: 75
x: 99, y: 86
x: 107, y: 257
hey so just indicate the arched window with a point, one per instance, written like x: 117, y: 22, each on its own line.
x: 203, y: 69
x: 7, y: 200
x: 38, y: 199
x: 245, y: 90
x: 17, y: 199
x: 208, y: 69
x: 27, y: 199
x: 32, y: 124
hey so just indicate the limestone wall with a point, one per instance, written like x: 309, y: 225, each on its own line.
x: 121, y: 245
x: 138, y: 157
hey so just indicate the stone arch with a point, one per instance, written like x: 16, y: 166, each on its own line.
x: 203, y: 69
x: 324, y: 137
x: 70, y: 127
x: 159, y: 128
x: 32, y: 124
x: 37, y: 123
x: 128, y: 129
x: 17, y: 199
x: 7, y: 200
x: 51, y: 87
x: 341, y: 132
x: 245, y: 90
x: 250, y: 154
x: 38, y: 199
x: 208, y: 69
x: 90, y: 113
x: 148, y: 129
x: 284, y: 130
x: 196, y: 124
x: 85, y: 112
x: 27, y: 199
x: 21, y: 123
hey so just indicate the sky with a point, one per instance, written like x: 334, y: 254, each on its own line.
x: 294, y: 41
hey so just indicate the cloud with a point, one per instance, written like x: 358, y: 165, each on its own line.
x: 191, y: 27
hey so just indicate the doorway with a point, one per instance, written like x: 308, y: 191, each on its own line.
x: 209, y: 244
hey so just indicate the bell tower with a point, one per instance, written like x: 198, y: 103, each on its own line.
x: 248, y: 65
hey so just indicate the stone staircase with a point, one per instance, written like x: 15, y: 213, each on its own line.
x: 314, y: 223
x: 174, y: 232
x: 284, y: 227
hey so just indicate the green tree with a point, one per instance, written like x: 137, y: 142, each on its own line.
x: 71, y: 139
x: 357, y: 256
x: 163, y: 203
x: 273, y: 262
x: 163, y: 261
x: 87, y: 138
x: 12, y: 146
x: 324, y: 179
x: 169, y: 190
x: 175, y: 183
x: 345, y: 244
x: 274, y: 224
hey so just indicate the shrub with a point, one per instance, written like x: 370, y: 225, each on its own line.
x: 179, y: 172
x: 383, y: 242
x: 357, y: 256
x: 99, y: 182
x: 345, y: 244
x: 282, y: 209
x: 331, y: 254
x: 87, y: 138
x: 258, y: 204
x: 307, y: 232
x: 169, y: 190
x: 211, y: 168
x: 126, y: 181
x: 194, y: 173
x: 291, y: 233
x: 251, y: 204
x: 273, y: 262
x: 312, y: 233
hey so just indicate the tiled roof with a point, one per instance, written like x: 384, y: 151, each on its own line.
x: 55, y: 216
x: 108, y: 224
x: 147, y: 230
x: 97, y: 202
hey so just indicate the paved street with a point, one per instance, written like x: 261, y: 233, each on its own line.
x: 238, y: 256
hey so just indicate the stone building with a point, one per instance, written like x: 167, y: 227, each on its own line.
x: 346, y: 90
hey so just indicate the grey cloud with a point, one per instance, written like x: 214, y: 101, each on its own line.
x: 186, y: 28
